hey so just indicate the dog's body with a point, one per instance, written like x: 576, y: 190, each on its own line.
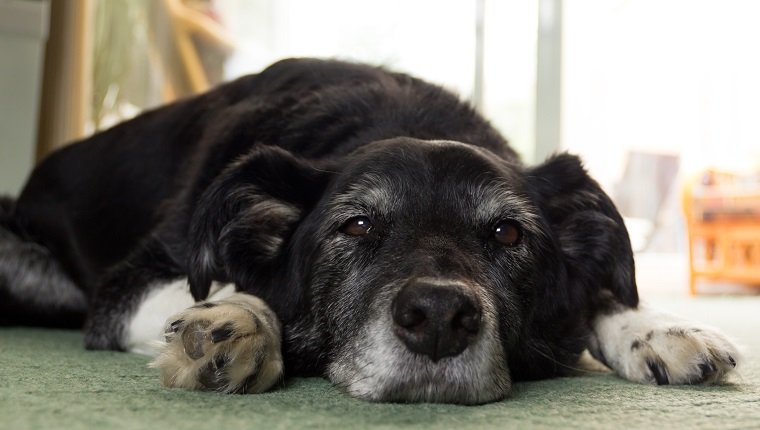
x: 339, y: 220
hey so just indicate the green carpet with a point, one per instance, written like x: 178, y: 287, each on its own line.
x: 48, y: 381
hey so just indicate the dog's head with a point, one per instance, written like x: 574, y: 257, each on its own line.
x: 417, y: 270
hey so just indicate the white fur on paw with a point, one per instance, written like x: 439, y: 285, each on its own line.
x: 651, y: 347
x: 230, y: 346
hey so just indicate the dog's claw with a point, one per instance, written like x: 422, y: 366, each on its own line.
x: 221, y: 334
x: 173, y: 327
x: 708, y: 369
x: 659, y: 371
x: 732, y: 361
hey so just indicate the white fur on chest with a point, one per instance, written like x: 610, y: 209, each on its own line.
x: 147, y: 324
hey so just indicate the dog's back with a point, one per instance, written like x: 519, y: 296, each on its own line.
x: 88, y: 205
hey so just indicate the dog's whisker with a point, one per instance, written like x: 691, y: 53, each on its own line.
x: 565, y: 365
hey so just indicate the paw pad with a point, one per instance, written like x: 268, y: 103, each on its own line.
x: 194, y: 335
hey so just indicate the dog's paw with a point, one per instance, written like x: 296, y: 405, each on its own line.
x: 678, y: 354
x: 230, y: 346
x: 649, y: 347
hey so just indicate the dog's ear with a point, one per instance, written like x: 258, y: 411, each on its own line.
x: 590, y: 231
x: 244, y: 218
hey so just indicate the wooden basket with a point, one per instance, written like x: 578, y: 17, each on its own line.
x: 723, y: 222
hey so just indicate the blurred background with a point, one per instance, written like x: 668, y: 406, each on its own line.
x: 660, y: 98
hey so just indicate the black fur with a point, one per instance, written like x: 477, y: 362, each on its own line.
x: 251, y: 182
x: 34, y: 290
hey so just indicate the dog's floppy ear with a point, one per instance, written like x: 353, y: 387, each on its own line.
x: 590, y: 231
x: 245, y: 216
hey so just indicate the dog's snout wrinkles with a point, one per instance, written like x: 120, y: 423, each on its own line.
x: 436, y: 320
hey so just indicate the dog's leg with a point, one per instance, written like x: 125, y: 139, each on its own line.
x: 230, y: 345
x: 122, y: 291
x: 647, y: 346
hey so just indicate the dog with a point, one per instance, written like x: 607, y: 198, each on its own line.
x: 324, y: 218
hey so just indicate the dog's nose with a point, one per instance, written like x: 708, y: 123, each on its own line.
x: 436, y: 320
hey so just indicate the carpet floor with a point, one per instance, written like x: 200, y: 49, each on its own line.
x: 48, y: 381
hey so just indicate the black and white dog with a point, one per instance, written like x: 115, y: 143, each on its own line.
x: 341, y: 220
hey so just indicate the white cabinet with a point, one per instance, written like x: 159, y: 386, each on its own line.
x: 23, y: 33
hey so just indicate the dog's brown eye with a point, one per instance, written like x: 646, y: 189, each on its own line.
x: 358, y: 226
x: 507, y: 233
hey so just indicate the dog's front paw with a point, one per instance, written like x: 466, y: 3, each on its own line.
x: 230, y: 346
x: 650, y: 347
x: 679, y: 354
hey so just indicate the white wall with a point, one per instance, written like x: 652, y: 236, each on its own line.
x: 674, y: 76
x: 432, y: 39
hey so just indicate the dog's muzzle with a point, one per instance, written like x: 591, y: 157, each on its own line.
x: 436, y: 319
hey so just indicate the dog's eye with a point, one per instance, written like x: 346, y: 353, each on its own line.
x: 357, y: 226
x: 507, y: 233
